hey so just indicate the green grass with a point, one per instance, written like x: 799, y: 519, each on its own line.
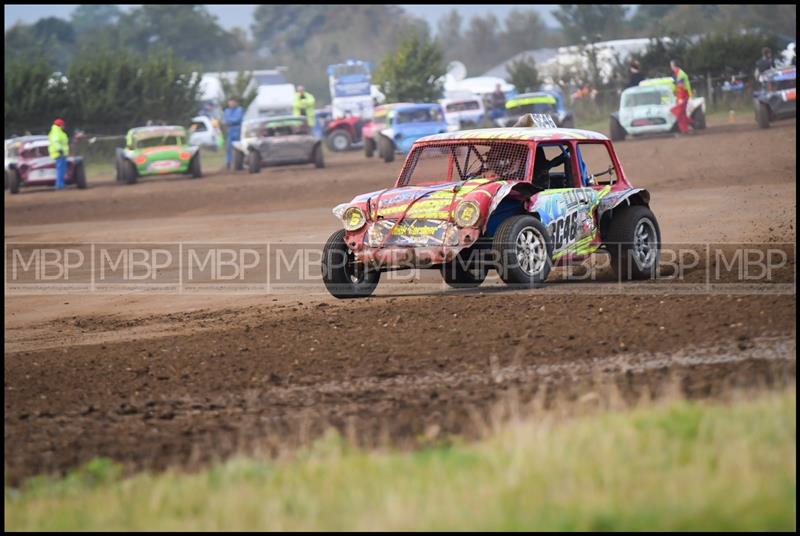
x: 679, y: 466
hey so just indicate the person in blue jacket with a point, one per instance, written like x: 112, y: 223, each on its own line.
x: 232, y: 119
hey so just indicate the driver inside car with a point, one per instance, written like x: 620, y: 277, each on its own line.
x: 542, y: 167
x: 502, y: 163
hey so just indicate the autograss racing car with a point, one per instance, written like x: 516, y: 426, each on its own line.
x: 157, y: 150
x: 777, y: 97
x: 275, y: 141
x: 405, y: 124
x: 518, y: 200
x: 28, y: 163
x: 647, y: 109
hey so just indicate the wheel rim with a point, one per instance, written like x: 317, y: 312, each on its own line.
x: 645, y: 242
x: 340, y: 142
x: 531, y: 250
x: 356, y: 272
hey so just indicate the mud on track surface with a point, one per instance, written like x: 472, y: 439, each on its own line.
x: 160, y: 380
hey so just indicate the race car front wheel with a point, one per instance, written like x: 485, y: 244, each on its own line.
x: 342, y: 275
x: 80, y: 176
x: 318, y: 158
x: 634, y: 242
x: 128, y: 172
x: 522, y: 251
x: 762, y: 114
x: 386, y: 149
x: 460, y: 274
x: 195, y: 168
x: 13, y: 181
x: 238, y: 160
x: 254, y: 162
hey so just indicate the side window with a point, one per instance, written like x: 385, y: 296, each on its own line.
x: 552, y: 166
x: 596, y: 167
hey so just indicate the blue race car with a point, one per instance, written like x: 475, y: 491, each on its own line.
x: 406, y: 124
x: 777, y: 97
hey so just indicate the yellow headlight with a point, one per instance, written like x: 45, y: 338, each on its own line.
x: 467, y: 214
x: 353, y: 219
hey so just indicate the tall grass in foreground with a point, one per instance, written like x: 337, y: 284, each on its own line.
x: 678, y: 466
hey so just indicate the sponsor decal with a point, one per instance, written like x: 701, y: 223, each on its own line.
x: 164, y: 165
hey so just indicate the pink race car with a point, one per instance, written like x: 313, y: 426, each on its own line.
x: 28, y: 163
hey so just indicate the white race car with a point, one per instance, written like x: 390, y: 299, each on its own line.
x: 646, y: 109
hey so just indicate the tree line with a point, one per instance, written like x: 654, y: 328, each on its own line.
x: 128, y: 66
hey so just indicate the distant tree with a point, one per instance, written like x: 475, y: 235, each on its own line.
x: 50, y: 37
x: 449, y: 34
x: 656, y: 57
x: 90, y: 17
x: 579, y: 21
x: 189, y: 30
x: 482, y: 44
x: 524, y: 31
x: 240, y: 89
x: 524, y: 75
x: 33, y: 96
x: 414, y: 71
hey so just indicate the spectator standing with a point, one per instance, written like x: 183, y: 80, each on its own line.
x: 680, y: 75
x: 232, y: 119
x: 59, y: 150
x: 635, y: 74
x: 304, y: 105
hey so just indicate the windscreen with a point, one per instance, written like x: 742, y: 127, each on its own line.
x: 270, y: 129
x: 36, y: 152
x: 420, y: 115
x: 534, y: 108
x: 645, y: 98
x: 451, y: 162
x: 158, y: 141
x: 463, y: 106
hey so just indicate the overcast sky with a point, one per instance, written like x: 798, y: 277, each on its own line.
x: 241, y: 15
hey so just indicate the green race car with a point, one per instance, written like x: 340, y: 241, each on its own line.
x: 157, y: 150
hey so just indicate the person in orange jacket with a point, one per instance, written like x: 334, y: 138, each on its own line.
x: 679, y: 110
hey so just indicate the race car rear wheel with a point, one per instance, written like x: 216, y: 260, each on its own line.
x: 459, y: 274
x: 253, y: 162
x: 339, y: 140
x: 80, y: 176
x: 699, y: 119
x: 762, y: 114
x: 13, y: 181
x: 634, y: 242
x: 343, y: 277
x: 195, y: 167
x: 617, y: 132
x: 522, y: 251
x: 369, y: 147
x: 317, y: 157
x: 386, y: 149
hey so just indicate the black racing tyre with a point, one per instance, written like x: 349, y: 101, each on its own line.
x: 342, y: 277
x: 13, y: 181
x: 459, y: 274
x: 238, y: 160
x: 617, y: 132
x: 339, y: 140
x: 369, y: 147
x: 634, y: 242
x: 386, y: 149
x: 699, y: 119
x: 762, y: 114
x: 317, y: 157
x: 129, y: 174
x: 253, y: 162
x: 522, y: 251
x: 80, y: 176
x: 195, y: 168
x: 118, y: 168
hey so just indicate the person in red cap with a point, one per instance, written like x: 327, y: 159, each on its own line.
x: 59, y: 149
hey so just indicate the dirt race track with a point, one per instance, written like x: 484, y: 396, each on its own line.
x: 153, y: 379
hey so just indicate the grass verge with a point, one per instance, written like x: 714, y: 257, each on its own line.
x: 678, y: 466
